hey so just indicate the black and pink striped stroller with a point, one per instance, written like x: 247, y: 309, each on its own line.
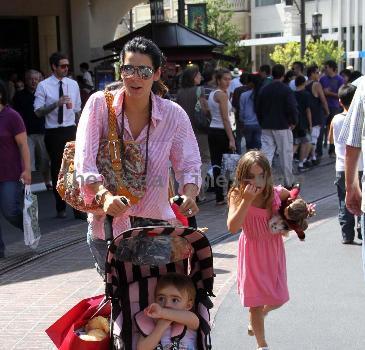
x: 135, y: 260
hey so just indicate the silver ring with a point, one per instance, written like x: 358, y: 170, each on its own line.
x: 190, y: 211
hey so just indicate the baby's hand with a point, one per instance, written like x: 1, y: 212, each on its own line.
x: 154, y: 311
x: 164, y: 324
x: 311, y: 209
x: 250, y: 192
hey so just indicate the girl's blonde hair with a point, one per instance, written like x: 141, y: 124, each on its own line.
x: 243, y: 173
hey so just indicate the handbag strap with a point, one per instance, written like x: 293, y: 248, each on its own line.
x: 148, y: 131
x: 114, y: 150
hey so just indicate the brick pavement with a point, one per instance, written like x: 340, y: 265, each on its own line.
x: 35, y: 295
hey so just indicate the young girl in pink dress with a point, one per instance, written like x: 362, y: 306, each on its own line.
x: 261, y: 275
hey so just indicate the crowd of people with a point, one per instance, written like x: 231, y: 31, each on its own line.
x: 284, y: 113
x: 38, y: 116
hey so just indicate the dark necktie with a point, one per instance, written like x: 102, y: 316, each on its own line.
x: 60, y: 109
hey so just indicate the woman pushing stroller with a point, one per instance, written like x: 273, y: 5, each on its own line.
x: 159, y: 126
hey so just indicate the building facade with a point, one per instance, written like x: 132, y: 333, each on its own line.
x: 80, y: 28
x: 141, y: 16
x: 272, y: 22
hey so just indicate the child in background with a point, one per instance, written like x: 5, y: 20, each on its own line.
x: 302, y: 131
x: 174, y: 298
x: 261, y: 272
x: 345, y: 218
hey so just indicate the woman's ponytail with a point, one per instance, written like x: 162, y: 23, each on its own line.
x: 159, y: 88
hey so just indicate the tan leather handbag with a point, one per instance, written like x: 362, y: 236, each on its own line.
x: 121, y: 163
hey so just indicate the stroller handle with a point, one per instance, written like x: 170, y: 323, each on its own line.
x: 191, y: 220
x: 108, y: 223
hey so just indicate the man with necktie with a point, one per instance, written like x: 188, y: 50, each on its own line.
x: 58, y: 99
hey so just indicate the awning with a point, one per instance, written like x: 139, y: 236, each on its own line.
x: 168, y: 35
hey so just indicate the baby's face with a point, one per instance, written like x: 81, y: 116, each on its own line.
x: 172, y: 298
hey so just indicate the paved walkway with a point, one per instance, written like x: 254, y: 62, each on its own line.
x: 327, y: 297
x: 34, y: 295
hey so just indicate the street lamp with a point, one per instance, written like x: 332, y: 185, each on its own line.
x: 316, y: 26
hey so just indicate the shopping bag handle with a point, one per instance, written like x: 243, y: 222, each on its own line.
x: 27, y: 190
x: 178, y: 200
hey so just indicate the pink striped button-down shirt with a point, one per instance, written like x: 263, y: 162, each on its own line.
x: 171, y: 142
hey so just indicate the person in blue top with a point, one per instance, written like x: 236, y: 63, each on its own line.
x: 247, y: 113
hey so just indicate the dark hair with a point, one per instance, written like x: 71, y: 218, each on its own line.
x: 354, y: 75
x: 346, y: 72
x: 244, y: 78
x: 3, y: 94
x: 331, y: 63
x: 181, y: 282
x: 300, y: 64
x: 56, y: 57
x: 278, y: 71
x: 256, y: 81
x: 147, y: 47
x: 144, y: 46
x: 220, y: 72
x: 188, y: 76
x: 265, y: 68
x: 208, y: 72
x: 299, y: 80
x: 311, y: 69
x: 288, y: 75
x: 346, y: 93
x: 84, y: 65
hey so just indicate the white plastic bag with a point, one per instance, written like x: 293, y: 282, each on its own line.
x: 32, y: 233
x: 229, y: 165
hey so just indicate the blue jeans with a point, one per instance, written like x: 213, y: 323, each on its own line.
x: 98, y: 248
x: 345, y: 218
x: 10, y: 199
x: 252, y: 134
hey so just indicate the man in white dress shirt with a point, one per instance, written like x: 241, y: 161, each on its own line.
x: 58, y: 99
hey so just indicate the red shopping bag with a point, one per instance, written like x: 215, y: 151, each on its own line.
x: 62, y: 332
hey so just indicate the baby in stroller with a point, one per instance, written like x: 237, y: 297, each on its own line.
x: 178, y: 260
x: 169, y: 318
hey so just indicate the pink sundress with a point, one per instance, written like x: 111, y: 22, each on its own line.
x: 261, y: 272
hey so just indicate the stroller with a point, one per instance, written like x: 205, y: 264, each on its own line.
x: 135, y: 260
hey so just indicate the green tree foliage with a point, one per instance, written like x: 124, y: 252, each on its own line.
x: 320, y: 51
x: 220, y: 26
x: 286, y: 54
x: 316, y: 52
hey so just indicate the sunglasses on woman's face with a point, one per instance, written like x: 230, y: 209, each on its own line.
x: 143, y: 72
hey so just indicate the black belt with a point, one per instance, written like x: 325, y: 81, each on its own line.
x: 59, y: 129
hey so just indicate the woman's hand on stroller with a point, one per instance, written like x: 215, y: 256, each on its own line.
x: 115, y: 205
x: 188, y: 207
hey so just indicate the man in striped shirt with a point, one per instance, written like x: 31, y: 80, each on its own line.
x: 352, y: 134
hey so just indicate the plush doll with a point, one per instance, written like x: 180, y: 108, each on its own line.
x: 292, y: 215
